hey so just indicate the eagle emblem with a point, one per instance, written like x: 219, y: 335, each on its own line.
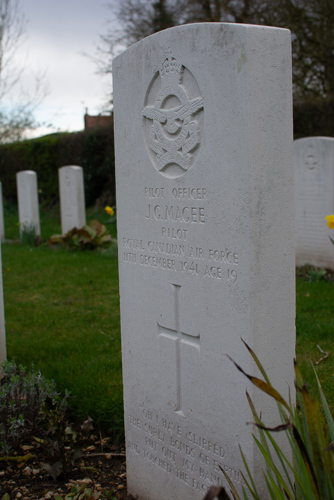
x: 173, y: 116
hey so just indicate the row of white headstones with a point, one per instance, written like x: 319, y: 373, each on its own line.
x: 314, y: 199
x: 72, y: 209
x: 72, y: 200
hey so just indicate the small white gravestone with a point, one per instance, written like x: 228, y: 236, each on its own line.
x: 72, y: 198
x: 2, y: 222
x: 204, y: 176
x: 27, y: 194
x: 314, y: 199
x: 3, y: 354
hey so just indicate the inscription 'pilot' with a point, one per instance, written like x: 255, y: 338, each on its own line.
x: 176, y: 214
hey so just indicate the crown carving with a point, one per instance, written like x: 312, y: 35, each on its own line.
x: 171, y: 69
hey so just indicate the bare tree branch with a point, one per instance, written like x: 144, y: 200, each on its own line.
x: 15, y: 117
x: 311, y: 23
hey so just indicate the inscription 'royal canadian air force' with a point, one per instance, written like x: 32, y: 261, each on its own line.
x: 172, y: 118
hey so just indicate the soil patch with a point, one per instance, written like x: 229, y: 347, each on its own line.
x: 30, y: 473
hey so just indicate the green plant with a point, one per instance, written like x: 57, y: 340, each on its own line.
x: 81, y: 492
x: 315, y: 275
x: 59, y: 435
x: 90, y: 237
x: 28, y: 235
x: 22, y: 396
x: 30, y: 403
x: 310, y: 475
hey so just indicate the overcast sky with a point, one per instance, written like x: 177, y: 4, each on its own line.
x: 58, y: 32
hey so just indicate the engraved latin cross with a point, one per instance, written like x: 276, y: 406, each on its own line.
x: 179, y: 337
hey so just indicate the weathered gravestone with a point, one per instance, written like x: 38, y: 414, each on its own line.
x: 2, y: 222
x: 2, y: 318
x: 27, y: 195
x: 314, y: 199
x: 72, y: 198
x: 204, y: 175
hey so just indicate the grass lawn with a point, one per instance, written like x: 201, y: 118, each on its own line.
x: 315, y: 327
x: 62, y: 316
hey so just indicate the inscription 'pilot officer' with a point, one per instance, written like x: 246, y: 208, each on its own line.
x: 176, y: 214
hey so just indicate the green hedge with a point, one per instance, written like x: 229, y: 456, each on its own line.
x: 93, y: 150
x: 313, y: 118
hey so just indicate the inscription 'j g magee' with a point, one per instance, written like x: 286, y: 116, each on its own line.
x: 176, y: 214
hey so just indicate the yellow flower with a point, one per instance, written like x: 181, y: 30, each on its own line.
x: 110, y: 211
x: 330, y: 221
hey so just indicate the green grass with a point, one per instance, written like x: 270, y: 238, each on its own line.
x: 315, y: 326
x: 62, y: 316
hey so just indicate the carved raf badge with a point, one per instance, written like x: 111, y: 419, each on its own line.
x: 173, y: 118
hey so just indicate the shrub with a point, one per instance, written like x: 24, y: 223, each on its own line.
x: 22, y: 396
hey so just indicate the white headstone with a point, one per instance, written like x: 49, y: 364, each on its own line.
x: 27, y: 195
x: 72, y: 198
x: 314, y: 199
x: 3, y: 354
x: 2, y: 222
x: 204, y: 175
